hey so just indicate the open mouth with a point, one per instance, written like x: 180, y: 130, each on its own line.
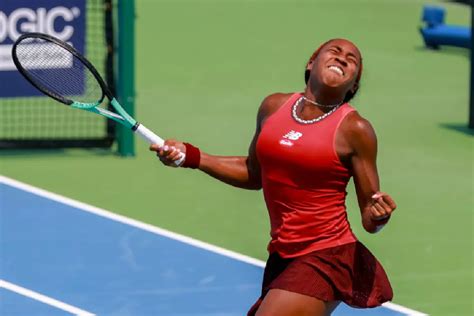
x: 336, y: 69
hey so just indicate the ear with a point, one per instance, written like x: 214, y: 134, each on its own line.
x: 355, y: 87
x: 309, y: 65
x: 306, y: 75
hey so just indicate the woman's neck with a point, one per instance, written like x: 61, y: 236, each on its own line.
x: 324, y: 97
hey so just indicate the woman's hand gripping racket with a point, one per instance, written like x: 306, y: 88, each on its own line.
x: 40, y: 58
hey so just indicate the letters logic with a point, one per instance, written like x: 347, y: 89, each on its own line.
x: 65, y: 20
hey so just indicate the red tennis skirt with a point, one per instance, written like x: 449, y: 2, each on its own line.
x: 348, y: 273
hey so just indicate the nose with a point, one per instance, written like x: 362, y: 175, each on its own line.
x: 341, y: 61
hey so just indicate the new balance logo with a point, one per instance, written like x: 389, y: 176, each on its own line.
x: 291, y: 135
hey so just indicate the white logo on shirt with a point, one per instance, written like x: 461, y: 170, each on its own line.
x: 291, y: 135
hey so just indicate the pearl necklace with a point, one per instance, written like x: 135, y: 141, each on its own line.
x: 317, y: 119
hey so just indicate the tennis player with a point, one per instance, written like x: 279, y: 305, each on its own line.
x: 306, y: 148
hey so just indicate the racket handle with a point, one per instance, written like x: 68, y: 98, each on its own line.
x: 152, y: 139
x: 148, y: 135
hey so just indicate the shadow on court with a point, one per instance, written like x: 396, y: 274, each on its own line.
x: 446, y: 50
x: 458, y: 127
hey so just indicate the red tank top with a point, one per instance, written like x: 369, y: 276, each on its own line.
x: 304, y: 182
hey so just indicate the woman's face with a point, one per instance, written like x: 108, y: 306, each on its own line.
x: 337, y: 66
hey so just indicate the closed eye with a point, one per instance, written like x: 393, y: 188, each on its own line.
x: 352, y: 58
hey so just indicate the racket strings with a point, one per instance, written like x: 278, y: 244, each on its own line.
x: 58, y: 71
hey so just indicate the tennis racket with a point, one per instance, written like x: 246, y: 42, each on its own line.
x: 58, y: 70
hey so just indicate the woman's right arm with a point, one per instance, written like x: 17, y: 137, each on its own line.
x: 239, y: 171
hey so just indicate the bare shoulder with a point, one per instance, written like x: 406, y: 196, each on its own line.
x: 271, y: 104
x: 358, y: 131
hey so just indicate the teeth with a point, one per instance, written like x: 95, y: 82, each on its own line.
x: 337, y: 69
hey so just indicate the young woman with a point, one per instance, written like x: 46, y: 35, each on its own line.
x: 305, y: 149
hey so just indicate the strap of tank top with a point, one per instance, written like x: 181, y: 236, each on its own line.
x: 289, y: 103
x: 292, y: 99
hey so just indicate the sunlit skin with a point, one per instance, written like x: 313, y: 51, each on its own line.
x: 333, y: 74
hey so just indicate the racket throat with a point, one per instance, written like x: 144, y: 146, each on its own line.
x: 110, y: 115
x: 135, y: 127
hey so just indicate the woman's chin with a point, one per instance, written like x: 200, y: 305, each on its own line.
x: 334, y: 83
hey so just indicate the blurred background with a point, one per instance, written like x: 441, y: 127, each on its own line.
x: 202, y: 69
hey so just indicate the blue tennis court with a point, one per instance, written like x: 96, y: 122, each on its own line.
x: 63, y: 257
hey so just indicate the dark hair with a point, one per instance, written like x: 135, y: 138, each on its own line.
x: 349, y: 95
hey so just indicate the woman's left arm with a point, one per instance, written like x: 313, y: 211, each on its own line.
x: 376, y: 207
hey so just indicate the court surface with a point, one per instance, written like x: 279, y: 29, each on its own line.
x: 62, y: 257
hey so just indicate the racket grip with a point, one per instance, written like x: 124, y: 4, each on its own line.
x: 152, y: 139
x: 148, y: 135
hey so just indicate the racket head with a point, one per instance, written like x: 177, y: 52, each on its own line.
x: 58, y: 70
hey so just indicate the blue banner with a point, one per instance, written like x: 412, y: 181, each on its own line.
x: 65, y: 20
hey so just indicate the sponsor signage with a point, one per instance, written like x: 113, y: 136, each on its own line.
x: 62, y: 19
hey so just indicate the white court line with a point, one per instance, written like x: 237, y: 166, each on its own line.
x: 403, y: 309
x: 129, y: 221
x: 43, y: 298
x: 161, y: 231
